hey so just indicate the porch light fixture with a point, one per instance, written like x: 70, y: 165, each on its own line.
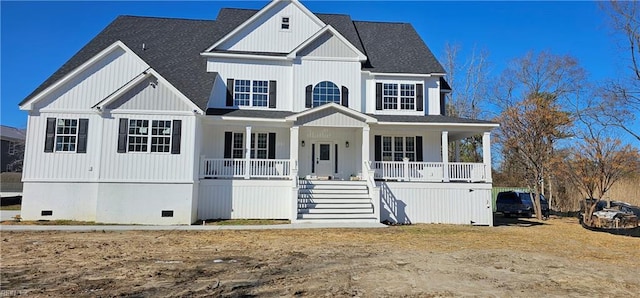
x: 303, y: 143
x: 346, y: 144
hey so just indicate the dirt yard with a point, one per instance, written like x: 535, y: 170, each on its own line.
x: 521, y: 258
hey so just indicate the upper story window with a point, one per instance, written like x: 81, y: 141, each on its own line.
x: 285, y: 23
x: 405, y: 99
x: 325, y: 92
x: 251, y: 93
x: 399, y: 96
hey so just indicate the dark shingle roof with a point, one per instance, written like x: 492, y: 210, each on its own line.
x: 396, y: 47
x: 249, y: 113
x: 444, y: 85
x: 427, y: 119
x: 173, y: 47
x: 8, y: 132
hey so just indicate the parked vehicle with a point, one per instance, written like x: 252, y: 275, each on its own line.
x: 520, y: 204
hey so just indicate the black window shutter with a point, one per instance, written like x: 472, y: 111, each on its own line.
x: 377, y: 148
x: 176, y: 136
x: 272, y: 94
x: 313, y: 158
x: 443, y: 107
x: 336, y: 158
x: 229, y: 92
x: 227, y: 144
x: 419, y: 98
x: 378, y: 96
x: 122, y: 135
x: 51, y: 135
x: 419, y: 149
x: 272, y: 146
x: 345, y: 96
x: 83, y: 131
x: 307, y: 96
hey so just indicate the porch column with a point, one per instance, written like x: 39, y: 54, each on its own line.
x: 247, y: 153
x: 294, y: 133
x: 445, y: 156
x: 486, y: 155
x: 365, y: 149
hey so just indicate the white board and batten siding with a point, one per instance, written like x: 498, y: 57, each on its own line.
x: 93, y: 84
x: 245, y: 199
x: 279, y: 71
x: 312, y: 72
x: 327, y: 46
x: 431, y: 94
x: 266, y: 35
x: 442, y: 203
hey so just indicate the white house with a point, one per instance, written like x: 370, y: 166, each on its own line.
x: 274, y: 113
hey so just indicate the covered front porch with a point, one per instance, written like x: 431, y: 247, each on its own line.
x: 334, y: 143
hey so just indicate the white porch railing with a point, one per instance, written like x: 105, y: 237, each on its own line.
x: 237, y: 168
x: 429, y: 171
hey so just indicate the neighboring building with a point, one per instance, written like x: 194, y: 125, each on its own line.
x: 11, y: 149
x: 258, y: 114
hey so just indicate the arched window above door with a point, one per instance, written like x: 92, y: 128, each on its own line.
x: 325, y: 92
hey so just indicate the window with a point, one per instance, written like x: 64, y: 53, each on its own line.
x: 260, y: 149
x: 325, y: 92
x: 403, y: 99
x: 259, y: 145
x: 251, y: 93
x: 285, y: 23
x: 407, y: 96
x: 390, y: 96
x: 66, y: 135
x: 139, y: 140
x: 138, y: 135
x: 12, y: 148
x: 160, y: 136
x: 238, y: 145
x: 397, y: 148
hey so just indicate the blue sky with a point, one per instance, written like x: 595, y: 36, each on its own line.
x: 38, y: 37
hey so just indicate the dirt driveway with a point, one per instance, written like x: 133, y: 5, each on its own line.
x: 524, y: 258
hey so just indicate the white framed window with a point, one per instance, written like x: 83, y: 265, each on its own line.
x: 142, y: 138
x: 390, y: 96
x: 138, y: 135
x: 66, y: 135
x: 161, y: 136
x: 407, y: 96
x: 259, y: 145
x: 397, y: 96
x: 325, y: 92
x: 242, y: 93
x: 237, y: 147
x: 286, y: 23
x: 260, y: 93
x: 397, y: 148
x: 251, y: 93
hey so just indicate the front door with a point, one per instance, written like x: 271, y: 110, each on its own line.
x: 324, y: 160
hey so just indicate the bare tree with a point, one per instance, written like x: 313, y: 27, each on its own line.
x: 527, y: 135
x: 532, y: 94
x: 597, y: 162
x: 468, y: 79
x: 622, y: 94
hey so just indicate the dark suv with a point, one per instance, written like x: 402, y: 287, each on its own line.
x: 519, y: 203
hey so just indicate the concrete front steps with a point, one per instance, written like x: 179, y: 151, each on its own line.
x: 334, y: 201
